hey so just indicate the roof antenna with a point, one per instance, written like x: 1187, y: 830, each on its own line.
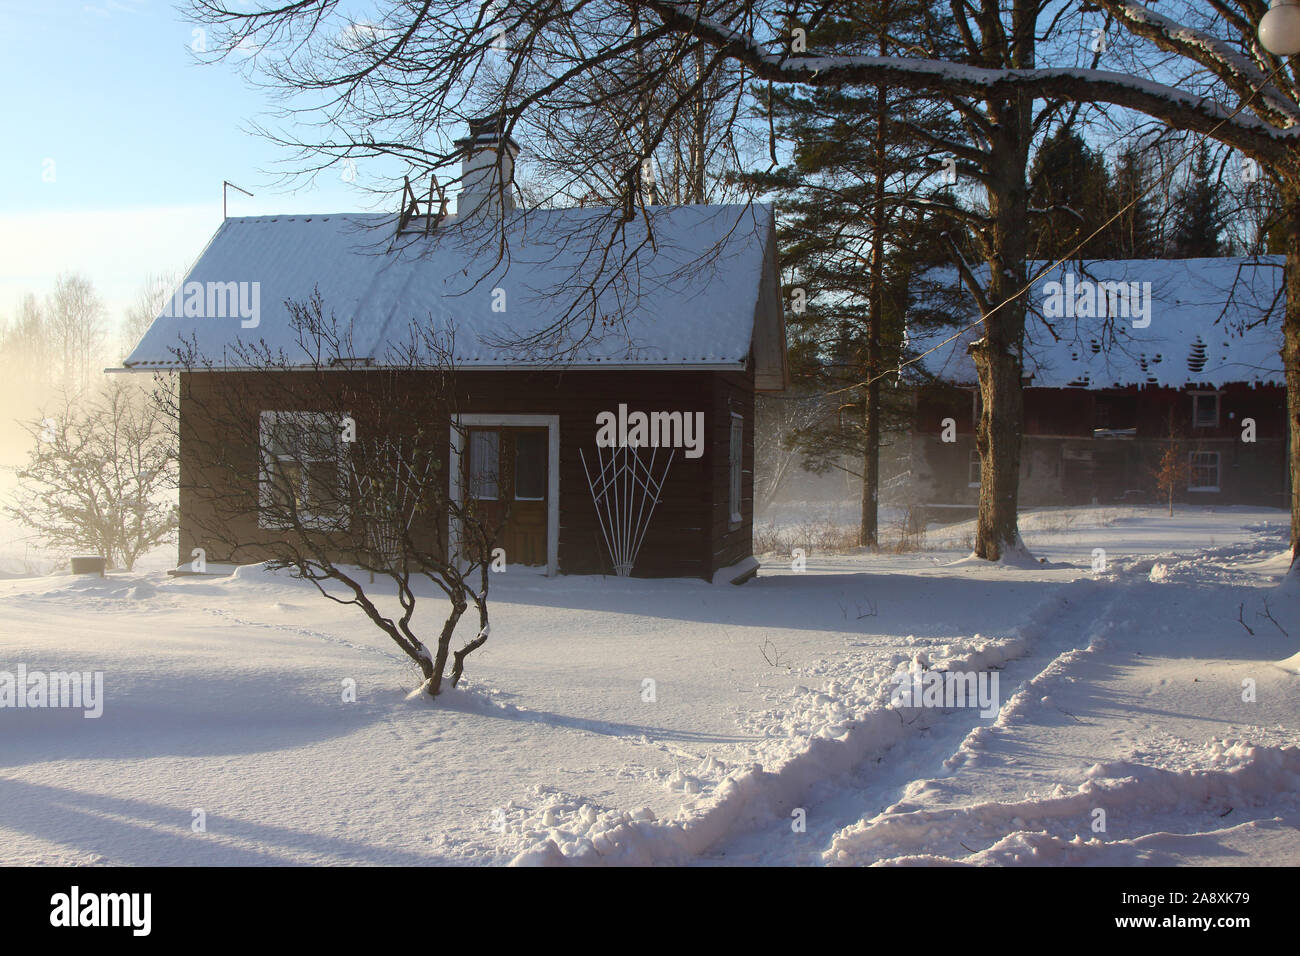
x: 224, y: 185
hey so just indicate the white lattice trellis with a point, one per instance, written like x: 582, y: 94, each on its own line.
x: 625, y: 490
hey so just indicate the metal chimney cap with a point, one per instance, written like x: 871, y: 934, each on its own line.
x: 487, y: 131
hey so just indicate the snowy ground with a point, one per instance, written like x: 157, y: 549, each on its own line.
x: 1120, y: 691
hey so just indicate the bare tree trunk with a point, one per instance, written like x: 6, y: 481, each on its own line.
x: 997, y: 355
x: 433, y: 674
x: 699, y: 160
x: 869, y: 533
x: 1291, y: 354
x: 998, y: 439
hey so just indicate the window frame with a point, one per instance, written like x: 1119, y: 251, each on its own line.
x: 973, y: 461
x: 1191, y: 471
x: 1218, y: 410
x: 265, y: 488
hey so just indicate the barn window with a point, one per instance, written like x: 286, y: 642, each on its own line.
x: 735, y: 462
x: 1205, y: 410
x: 302, y: 468
x: 973, y: 469
x: 1203, y: 471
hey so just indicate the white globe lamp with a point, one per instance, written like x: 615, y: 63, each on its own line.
x: 1279, y: 30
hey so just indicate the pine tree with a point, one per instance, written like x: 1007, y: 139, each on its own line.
x: 1133, y: 234
x: 1068, y: 186
x: 1199, y: 218
x: 845, y: 211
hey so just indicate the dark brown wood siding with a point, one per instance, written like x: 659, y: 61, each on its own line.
x: 688, y: 535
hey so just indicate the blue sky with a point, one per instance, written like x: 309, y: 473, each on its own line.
x: 116, y: 140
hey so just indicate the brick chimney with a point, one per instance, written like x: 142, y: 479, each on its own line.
x: 483, y: 150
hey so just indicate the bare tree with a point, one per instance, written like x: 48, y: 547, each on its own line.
x: 149, y: 302
x: 98, y: 476
x: 1171, y: 469
x: 1171, y: 473
x: 74, y: 319
x: 340, y: 476
x: 686, y: 137
x: 26, y: 348
x: 777, y: 421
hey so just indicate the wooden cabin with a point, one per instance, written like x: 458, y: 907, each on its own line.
x: 684, y: 329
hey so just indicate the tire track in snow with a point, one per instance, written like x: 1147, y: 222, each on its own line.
x: 755, y: 798
x: 846, y: 846
x: 878, y: 784
x: 1239, y: 776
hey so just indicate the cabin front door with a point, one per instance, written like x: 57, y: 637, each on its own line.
x: 505, y: 473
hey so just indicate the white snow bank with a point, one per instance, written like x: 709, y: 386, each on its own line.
x: 1237, y: 775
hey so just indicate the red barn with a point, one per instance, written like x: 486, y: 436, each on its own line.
x: 1122, y: 360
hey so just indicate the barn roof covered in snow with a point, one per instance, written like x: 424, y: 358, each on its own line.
x: 698, y: 289
x: 1120, y: 323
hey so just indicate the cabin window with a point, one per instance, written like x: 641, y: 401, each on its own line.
x: 484, y: 458
x: 1205, y: 410
x: 1203, y: 471
x: 973, y: 469
x: 302, y: 472
x: 735, y: 462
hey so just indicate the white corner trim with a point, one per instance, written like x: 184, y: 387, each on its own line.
x: 552, y: 425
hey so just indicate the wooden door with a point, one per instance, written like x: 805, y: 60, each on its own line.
x: 506, y: 474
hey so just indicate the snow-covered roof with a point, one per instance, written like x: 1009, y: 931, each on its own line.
x: 1185, y: 322
x: 691, y: 294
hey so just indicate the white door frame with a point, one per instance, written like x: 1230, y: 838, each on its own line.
x: 489, y: 419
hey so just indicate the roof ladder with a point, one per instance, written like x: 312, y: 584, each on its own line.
x: 407, y: 219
